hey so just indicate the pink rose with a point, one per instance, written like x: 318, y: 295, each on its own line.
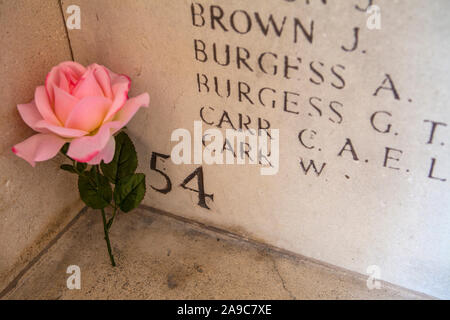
x: 82, y: 106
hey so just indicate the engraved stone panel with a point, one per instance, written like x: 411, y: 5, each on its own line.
x: 359, y: 96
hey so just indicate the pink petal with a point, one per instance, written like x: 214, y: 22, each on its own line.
x: 107, y: 154
x: 60, y: 131
x: 120, y: 87
x: 44, y: 107
x: 118, y: 78
x: 53, y: 78
x: 87, y: 86
x: 39, y: 147
x: 102, y: 76
x: 30, y: 114
x: 86, y: 148
x: 88, y: 113
x: 64, y: 104
x: 131, y: 107
x: 51, y: 82
x: 64, y: 83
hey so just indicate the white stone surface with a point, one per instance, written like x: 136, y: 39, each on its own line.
x: 357, y: 213
x: 35, y: 203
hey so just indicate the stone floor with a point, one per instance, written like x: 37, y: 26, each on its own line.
x: 162, y: 257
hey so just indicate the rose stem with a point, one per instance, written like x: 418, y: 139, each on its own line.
x: 111, y: 220
x: 105, y: 224
x: 105, y: 228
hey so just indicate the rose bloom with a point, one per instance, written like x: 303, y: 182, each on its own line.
x: 82, y: 106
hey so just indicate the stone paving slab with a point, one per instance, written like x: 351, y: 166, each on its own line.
x: 162, y: 257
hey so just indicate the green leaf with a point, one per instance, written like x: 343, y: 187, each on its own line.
x: 95, y: 189
x: 124, y: 162
x: 65, y: 148
x: 68, y: 168
x: 81, y: 167
x: 130, y: 191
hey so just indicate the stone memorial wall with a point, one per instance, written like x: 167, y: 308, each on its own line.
x: 345, y: 107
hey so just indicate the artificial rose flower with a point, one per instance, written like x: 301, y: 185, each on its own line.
x: 82, y: 106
